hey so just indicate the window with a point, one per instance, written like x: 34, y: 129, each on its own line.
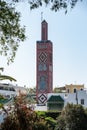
x: 81, y: 89
x: 74, y: 90
x: 68, y: 90
x: 66, y: 95
x: 82, y: 101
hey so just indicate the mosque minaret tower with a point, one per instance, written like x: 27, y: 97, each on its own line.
x: 44, y: 65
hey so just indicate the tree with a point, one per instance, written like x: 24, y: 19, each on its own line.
x: 50, y: 122
x: 55, y: 5
x: 73, y: 117
x: 6, y: 77
x: 11, y: 33
x: 22, y: 118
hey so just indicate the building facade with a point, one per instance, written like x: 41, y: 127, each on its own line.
x: 57, y: 101
x: 10, y: 90
x: 69, y: 88
x: 72, y: 88
x: 7, y: 90
x: 44, y: 65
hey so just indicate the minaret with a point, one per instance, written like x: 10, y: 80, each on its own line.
x: 44, y: 65
x: 44, y: 30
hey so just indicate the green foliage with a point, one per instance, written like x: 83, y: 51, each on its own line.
x: 50, y: 122
x: 23, y: 118
x: 40, y: 126
x: 11, y: 33
x: 54, y: 115
x: 55, y: 5
x: 10, y: 123
x: 73, y: 117
x: 46, y: 122
x: 41, y: 113
x: 1, y: 97
x: 6, y: 77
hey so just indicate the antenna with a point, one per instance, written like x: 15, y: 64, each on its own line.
x: 41, y: 16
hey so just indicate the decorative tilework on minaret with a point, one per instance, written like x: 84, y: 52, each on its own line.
x: 44, y: 65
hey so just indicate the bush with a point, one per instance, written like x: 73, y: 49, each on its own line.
x: 23, y: 118
x: 73, y: 117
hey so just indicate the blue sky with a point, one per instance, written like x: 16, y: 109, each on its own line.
x: 69, y: 36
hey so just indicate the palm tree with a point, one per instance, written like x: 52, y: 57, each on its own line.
x: 6, y: 77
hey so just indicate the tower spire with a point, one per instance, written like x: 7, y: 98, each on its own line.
x: 44, y: 30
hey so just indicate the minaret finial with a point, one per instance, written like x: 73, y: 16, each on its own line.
x: 41, y: 16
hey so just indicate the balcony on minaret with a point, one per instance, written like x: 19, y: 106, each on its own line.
x: 44, y: 30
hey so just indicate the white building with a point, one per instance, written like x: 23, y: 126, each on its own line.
x: 7, y: 90
x: 10, y: 90
x: 80, y: 97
